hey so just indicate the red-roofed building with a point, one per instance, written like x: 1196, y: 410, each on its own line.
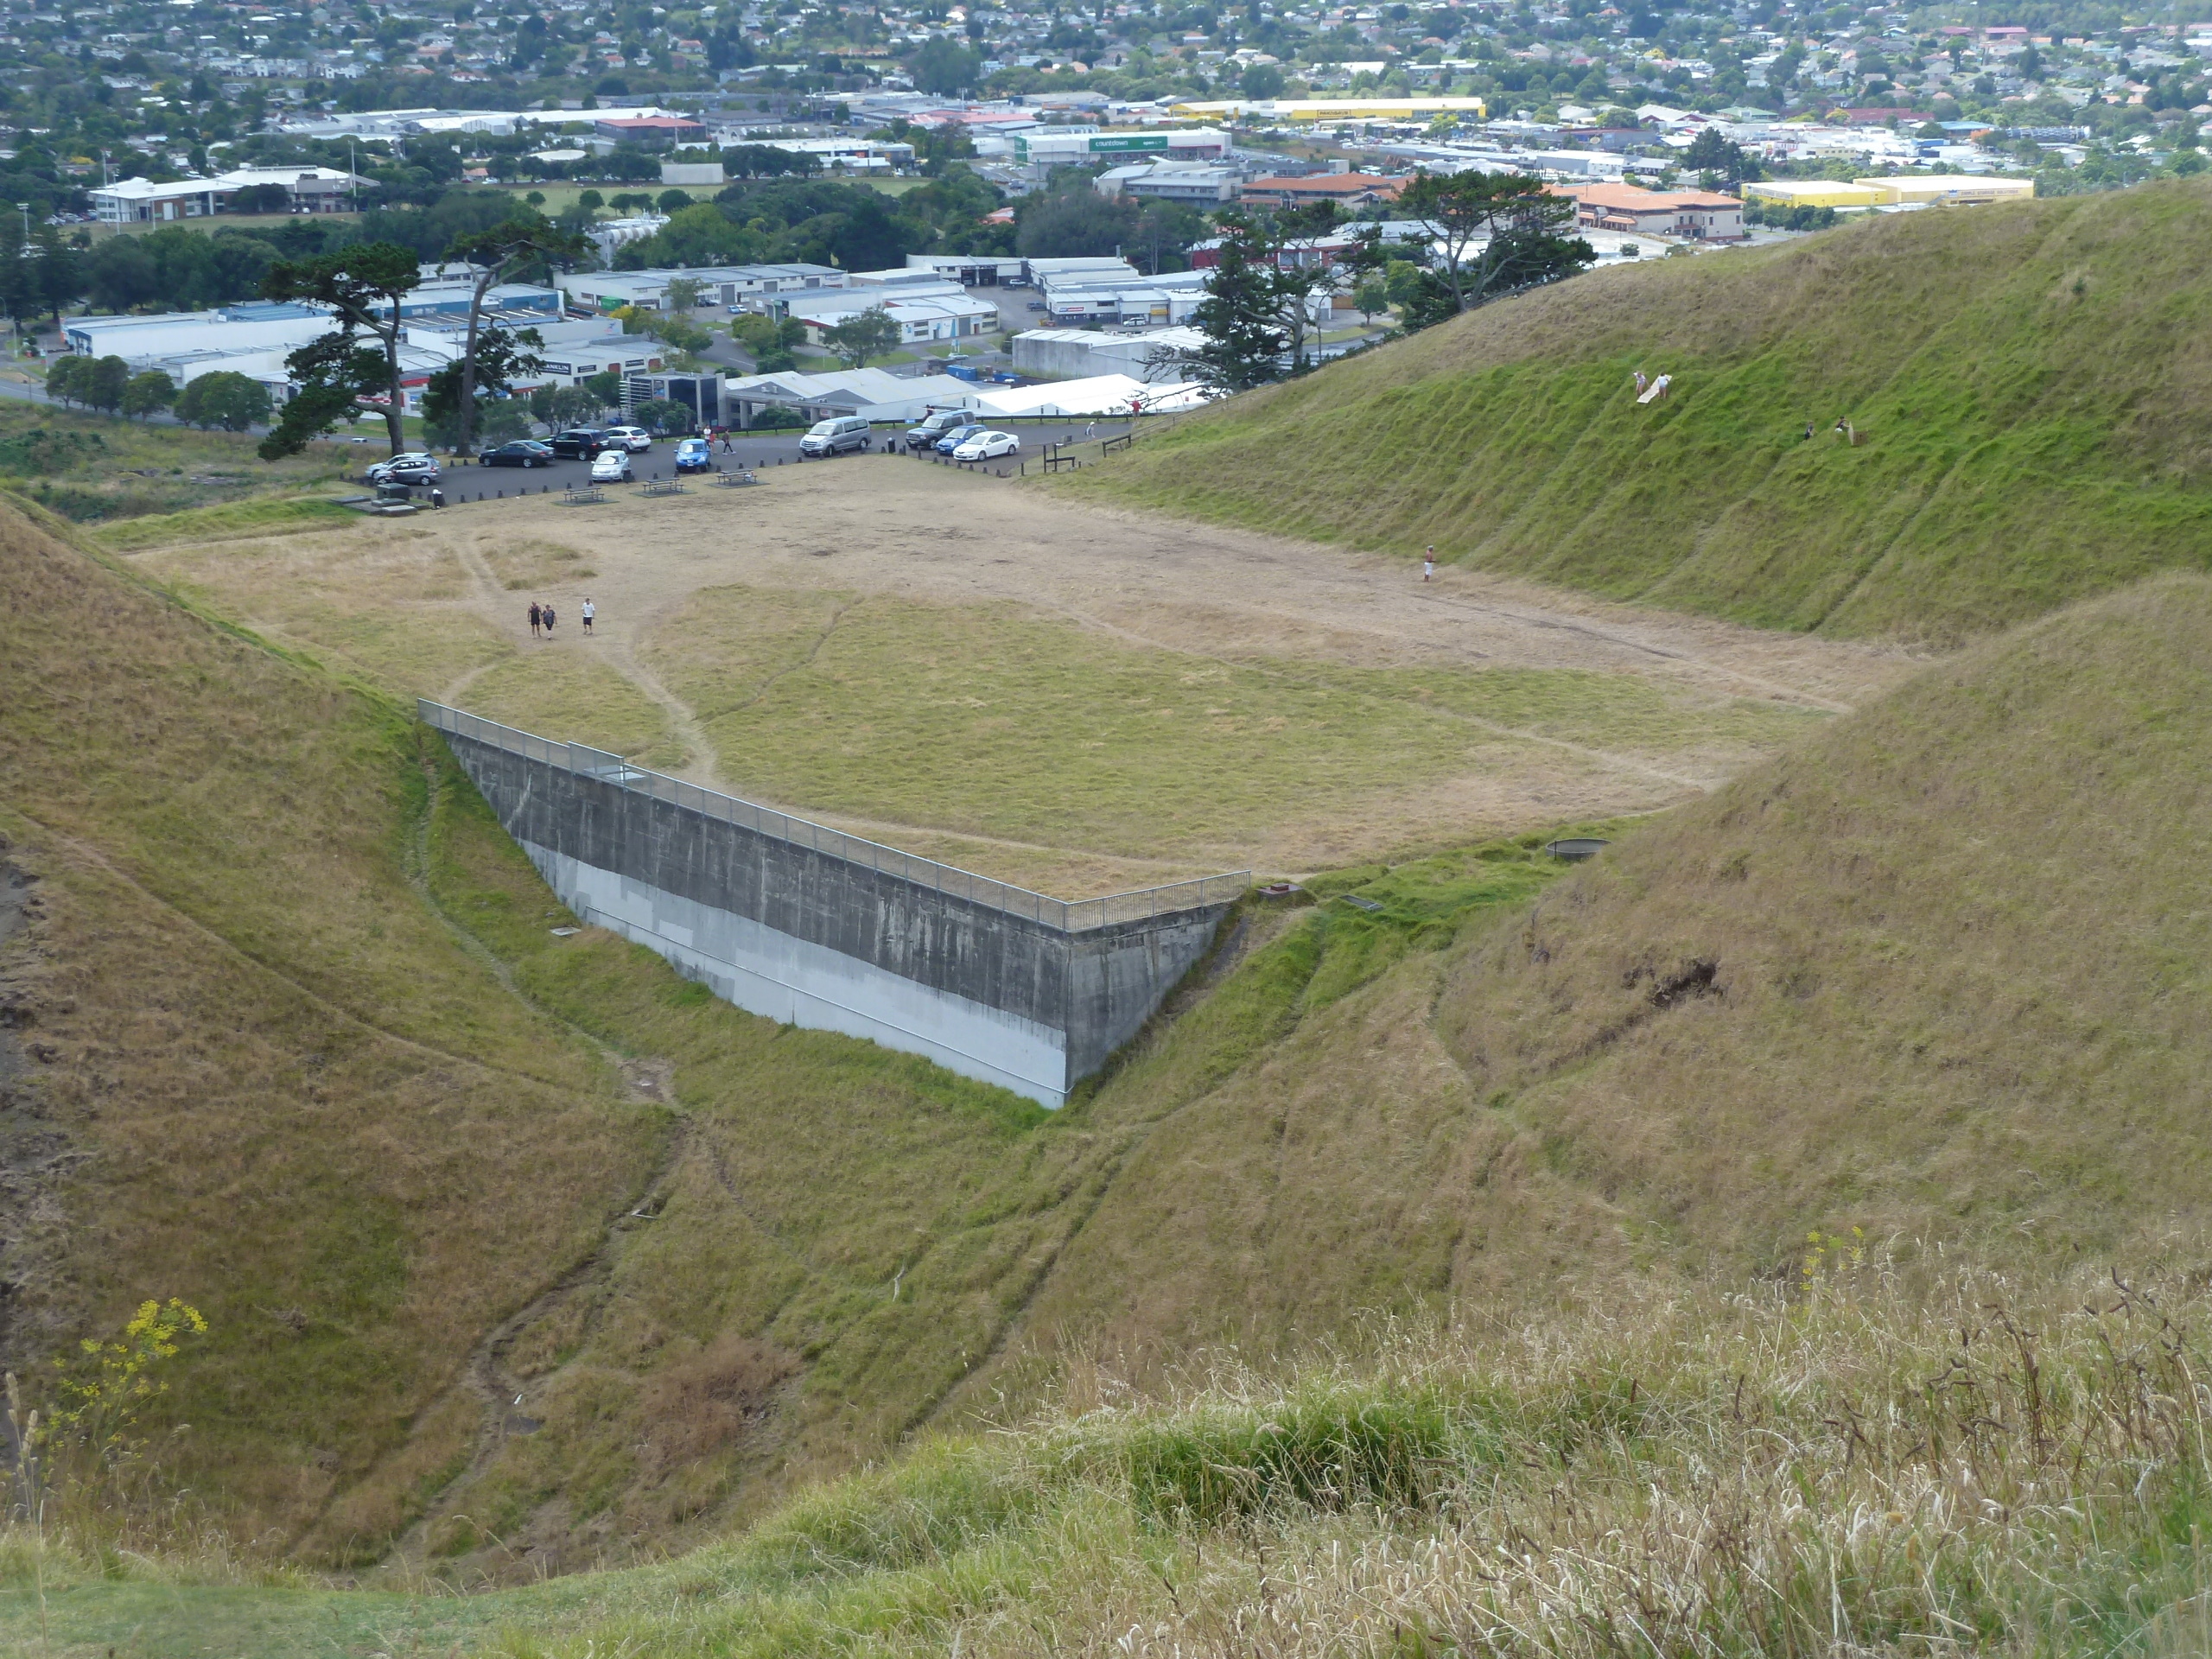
x: 1352, y: 189
x: 1700, y: 215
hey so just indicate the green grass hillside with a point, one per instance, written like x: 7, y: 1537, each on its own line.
x: 2029, y: 382
x: 523, y: 1254
x: 1940, y: 973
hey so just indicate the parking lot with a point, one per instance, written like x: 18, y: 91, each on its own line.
x: 465, y: 481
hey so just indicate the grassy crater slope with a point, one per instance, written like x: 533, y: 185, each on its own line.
x: 2029, y: 382
x: 1940, y: 973
x: 523, y: 1252
x: 520, y: 1252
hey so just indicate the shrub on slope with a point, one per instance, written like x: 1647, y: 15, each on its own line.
x: 2030, y: 380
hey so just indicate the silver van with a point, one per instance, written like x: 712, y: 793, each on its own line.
x: 835, y: 437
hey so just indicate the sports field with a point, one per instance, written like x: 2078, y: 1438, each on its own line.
x: 1072, y: 698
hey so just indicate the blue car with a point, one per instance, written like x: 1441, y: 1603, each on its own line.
x: 958, y: 436
x: 693, y: 455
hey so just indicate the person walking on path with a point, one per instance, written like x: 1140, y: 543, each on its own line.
x: 535, y: 617
x: 588, y: 613
x: 549, y: 622
x: 1428, y: 563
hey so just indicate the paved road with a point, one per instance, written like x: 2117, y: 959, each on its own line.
x: 471, y: 483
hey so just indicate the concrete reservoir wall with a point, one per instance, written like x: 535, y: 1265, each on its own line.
x: 809, y: 925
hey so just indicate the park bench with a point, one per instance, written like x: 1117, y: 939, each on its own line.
x: 582, y: 494
x: 662, y: 487
x: 731, y: 480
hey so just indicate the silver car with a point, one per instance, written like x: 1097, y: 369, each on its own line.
x: 835, y: 437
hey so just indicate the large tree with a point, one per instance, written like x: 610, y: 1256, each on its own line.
x: 451, y: 397
x: 943, y: 69
x: 225, y: 399
x: 337, y: 374
x: 1490, y: 234
x: 873, y: 332
x: 1241, y: 316
x: 496, y: 254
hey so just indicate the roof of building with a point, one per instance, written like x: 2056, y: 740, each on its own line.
x: 1326, y: 184
x: 1634, y: 200
x: 859, y: 388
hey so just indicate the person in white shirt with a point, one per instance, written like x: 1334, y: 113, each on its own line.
x: 589, y: 613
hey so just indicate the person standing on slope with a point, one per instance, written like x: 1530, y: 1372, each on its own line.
x: 588, y: 613
x: 549, y: 622
x: 1428, y: 563
x: 536, y: 616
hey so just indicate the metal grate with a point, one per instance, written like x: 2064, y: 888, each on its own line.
x: 1068, y: 915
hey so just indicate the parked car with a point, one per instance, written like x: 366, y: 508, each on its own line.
x: 986, y: 445
x: 578, y: 442
x: 959, y: 434
x: 1036, y: 305
x: 835, y: 437
x: 523, y: 452
x: 935, y: 426
x: 692, y: 455
x: 635, y: 439
x: 417, y: 467
x: 611, y: 467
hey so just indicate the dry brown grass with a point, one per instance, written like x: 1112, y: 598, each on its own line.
x: 1956, y: 991
x: 979, y: 673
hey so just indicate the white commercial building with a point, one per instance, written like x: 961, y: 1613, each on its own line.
x: 254, y: 337
x: 1201, y: 187
x: 1048, y: 147
x: 723, y: 285
x: 1079, y: 354
x: 307, y: 189
x: 921, y: 317
x: 874, y: 394
x: 1125, y: 297
x: 968, y: 270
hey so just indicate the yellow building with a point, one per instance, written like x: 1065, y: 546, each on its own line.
x: 1302, y: 109
x: 1822, y: 193
x: 1951, y: 189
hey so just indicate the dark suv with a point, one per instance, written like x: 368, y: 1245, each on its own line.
x: 942, y: 424
x: 578, y: 442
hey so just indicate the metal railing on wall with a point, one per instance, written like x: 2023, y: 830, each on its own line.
x: 1068, y: 915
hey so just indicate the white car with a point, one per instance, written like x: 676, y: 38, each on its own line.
x: 984, y: 446
x: 635, y: 439
x: 611, y: 467
x: 414, y: 467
